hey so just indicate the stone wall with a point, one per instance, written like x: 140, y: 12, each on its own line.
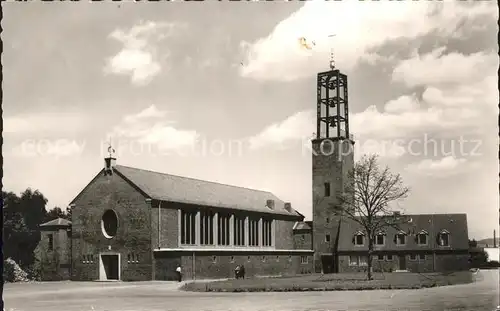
x: 133, y: 235
x: 56, y: 263
x: 213, y: 265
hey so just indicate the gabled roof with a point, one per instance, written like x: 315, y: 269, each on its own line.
x: 301, y: 225
x: 58, y: 222
x: 172, y: 188
x: 433, y: 224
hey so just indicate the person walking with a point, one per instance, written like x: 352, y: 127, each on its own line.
x: 179, y: 273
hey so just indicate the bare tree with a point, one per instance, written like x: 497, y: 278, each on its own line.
x: 365, y: 200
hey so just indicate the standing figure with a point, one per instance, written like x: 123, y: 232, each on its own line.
x: 179, y: 273
x: 242, y: 271
x: 237, y: 272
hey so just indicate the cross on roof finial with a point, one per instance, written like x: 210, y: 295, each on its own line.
x: 111, y: 151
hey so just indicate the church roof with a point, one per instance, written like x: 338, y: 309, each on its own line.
x: 58, y: 222
x: 166, y: 187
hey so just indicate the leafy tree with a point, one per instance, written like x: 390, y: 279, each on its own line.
x: 366, y: 197
x: 56, y: 212
x: 22, y: 216
x: 472, y: 243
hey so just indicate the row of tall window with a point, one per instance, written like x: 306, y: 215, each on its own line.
x: 253, y: 231
x: 443, y: 238
x: 254, y: 235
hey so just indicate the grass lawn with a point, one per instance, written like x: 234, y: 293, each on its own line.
x: 333, y: 282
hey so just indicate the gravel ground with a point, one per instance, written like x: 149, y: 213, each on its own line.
x: 161, y: 296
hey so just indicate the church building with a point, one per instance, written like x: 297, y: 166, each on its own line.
x: 135, y: 225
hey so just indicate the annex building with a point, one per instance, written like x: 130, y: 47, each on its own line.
x: 134, y: 225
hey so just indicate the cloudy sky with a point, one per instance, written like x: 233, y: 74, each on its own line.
x: 225, y: 92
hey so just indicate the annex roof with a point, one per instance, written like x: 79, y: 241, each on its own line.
x: 58, y: 222
x: 301, y: 225
x: 433, y: 224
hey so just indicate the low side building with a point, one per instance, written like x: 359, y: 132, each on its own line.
x: 427, y: 243
x: 54, y: 250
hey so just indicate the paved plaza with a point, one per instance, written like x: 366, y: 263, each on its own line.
x: 162, y: 296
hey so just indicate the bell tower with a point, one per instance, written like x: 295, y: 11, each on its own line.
x: 333, y: 158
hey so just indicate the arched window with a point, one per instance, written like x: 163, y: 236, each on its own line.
x: 400, y: 238
x: 359, y: 239
x: 380, y: 238
x: 443, y: 238
x: 109, y: 224
x: 422, y: 237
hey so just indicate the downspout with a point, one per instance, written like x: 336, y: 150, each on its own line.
x: 159, y: 225
x: 194, y: 266
x: 434, y: 245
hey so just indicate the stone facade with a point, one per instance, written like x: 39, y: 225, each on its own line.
x: 330, y: 166
x: 133, y: 236
x: 54, y: 251
x: 207, y: 264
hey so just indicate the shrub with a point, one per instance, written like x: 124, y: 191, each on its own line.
x: 12, y: 272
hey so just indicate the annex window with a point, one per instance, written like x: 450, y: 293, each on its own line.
x: 327, y: 189
x: 444, y: 238
x: 253, y: 231
x: 359, y: 239
x: 380, y: 239
x: 358, y: 261
x: 239, y: 230
x: 413, y: 257
x: 206, y: 227
x: 400, y: 238
x: 380, y: 257
x: 422, y: 238
x: 388, y: 257
x: 327, y: 238
x: 51, y: 242
x: 267, y: 232
x: 421, y: 256
x: 223, y: 229
x: 304, y: 259
x: 188, y: 232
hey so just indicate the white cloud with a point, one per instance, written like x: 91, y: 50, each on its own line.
x: 48, y: 148
x: 44, y: 122
x: 437, y: 69
x: 151, y: 127
x: 443, y: 167
x: 402, y: 104
x: 138, y: 57
x: 447, y: 109
x: 460, y: 94
x: 359, y: 27
x: 297, y: 126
